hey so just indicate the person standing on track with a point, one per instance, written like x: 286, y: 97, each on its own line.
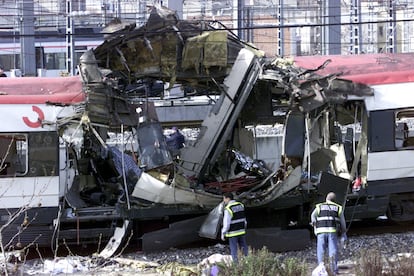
x: 234, y: 226
x: 325, y: 218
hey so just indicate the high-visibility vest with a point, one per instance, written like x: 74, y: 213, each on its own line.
x: 327, y: 218
x: 238, y: 219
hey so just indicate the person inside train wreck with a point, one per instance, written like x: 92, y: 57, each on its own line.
x: 234, y: 226
x: 325, y: 218
x: 175, y: 141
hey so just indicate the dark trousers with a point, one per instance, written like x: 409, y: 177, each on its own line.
x: 235, y: 243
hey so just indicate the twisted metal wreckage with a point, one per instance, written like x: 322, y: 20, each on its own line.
x: 100, y: 191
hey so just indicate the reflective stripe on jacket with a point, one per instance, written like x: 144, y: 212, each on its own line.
x: 327, y: 217
x: 238, y: 219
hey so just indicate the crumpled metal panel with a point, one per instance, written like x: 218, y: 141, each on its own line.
x: 308, y: 89
x: 208, y: 49
x: 151, y: 55
x: 192, y: 52
x: 215, y: 49
x: 143, y: 55
x: 331, y: 183
x: 212, y: 224
x: 171, y: 50
x: 103, y: 105
x: 115, y: 241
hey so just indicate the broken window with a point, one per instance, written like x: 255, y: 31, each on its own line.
x: 295, y: 135
x: 404, y: 138
x: 13, y: 154
x: 43, y: 154
x: 152, y: 146
x: 391, y: 130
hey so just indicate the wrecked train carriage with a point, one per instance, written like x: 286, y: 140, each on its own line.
x: 104, y: 189
x: 251, y: 90
x: 195, y: 54
x: 213, y: 61
x: 316, y: 98
x: 81, y: 189
x: 60, y: 179
x: 360, y: 132
x: 321, y: 97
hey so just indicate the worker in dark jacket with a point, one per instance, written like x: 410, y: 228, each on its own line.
x: 325, y: 218
x: 234, y: 226
x: 175, y: 142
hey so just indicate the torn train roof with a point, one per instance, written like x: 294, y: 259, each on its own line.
x: 370, y: 69
x: 170, y: 49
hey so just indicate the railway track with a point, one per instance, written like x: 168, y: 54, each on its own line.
x: 390, y: 237
x: 357, y: 229
x: 376, y: 227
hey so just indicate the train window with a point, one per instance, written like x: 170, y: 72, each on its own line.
x: 43, y: 154
x: 152, y: 146
x: 55, y: 61
x: 404, y: 134
x: 13, y: 154
x: 10, y: 61
x: 40, y: 57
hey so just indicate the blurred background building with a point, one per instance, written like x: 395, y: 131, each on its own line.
x: 47, y: 37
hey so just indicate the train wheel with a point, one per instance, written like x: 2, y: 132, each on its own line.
x: 401, y: 208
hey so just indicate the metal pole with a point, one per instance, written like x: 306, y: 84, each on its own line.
x: 70, y: 40
x: 354, y: 47
x: 240, y: 17
x: 27, y: 39
x: 370, y: 44
x: 391, y: 27
x: 280, y: 36
x: 235, y: 17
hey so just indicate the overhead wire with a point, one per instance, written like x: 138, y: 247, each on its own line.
x: 266, y: 9
x: 295, y: 25
x: 259, y: 38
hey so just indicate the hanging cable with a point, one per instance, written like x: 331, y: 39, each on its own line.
x: 123, y: 167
